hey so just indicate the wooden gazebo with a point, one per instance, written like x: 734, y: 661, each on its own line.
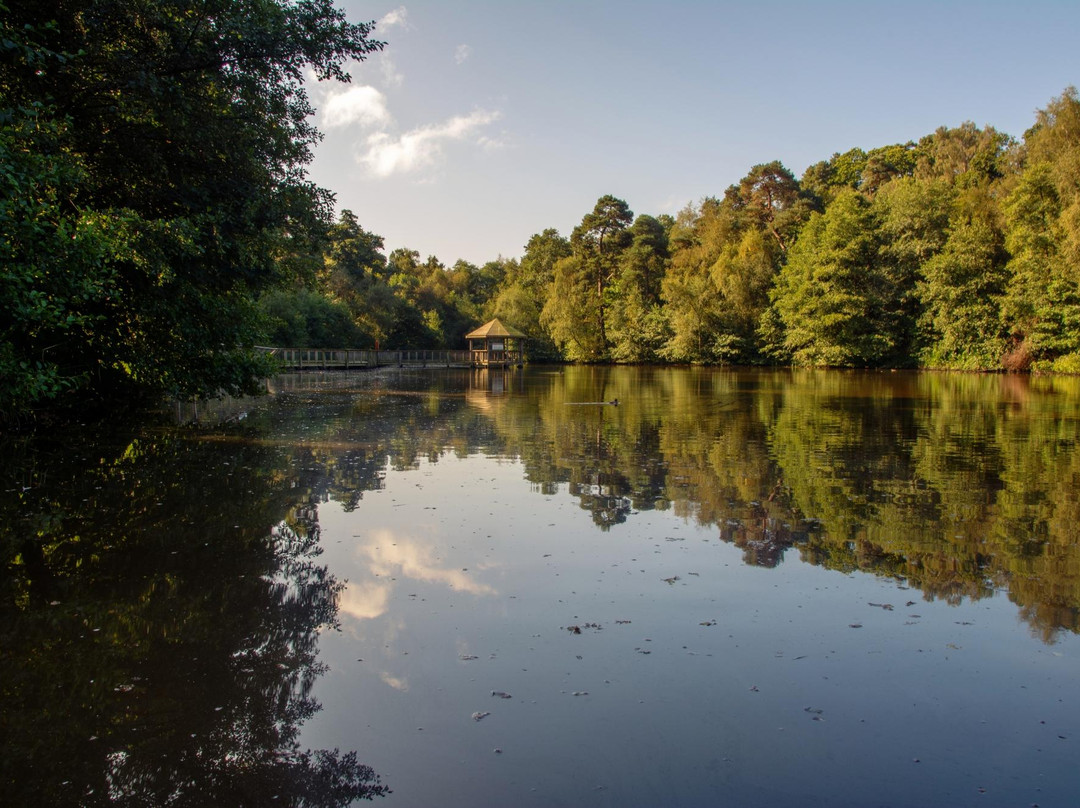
x: 495, y: 344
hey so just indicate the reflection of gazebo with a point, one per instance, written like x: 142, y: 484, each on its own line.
x: 495, y: 344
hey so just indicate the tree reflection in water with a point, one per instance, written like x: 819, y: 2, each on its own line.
x: 959, y: 484
x: 161, y: 602
x: 161, y: 605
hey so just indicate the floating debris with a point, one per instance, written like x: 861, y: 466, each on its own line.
x: 671, y: 580
x: 707, y: 623
x: 501, y: 694
x: 467, y: 657
x: 854, y: 625
x: 580, y: 693
x: 479, y: 716
x: 622, y: 622
x: 886, y: 606
x: 577, y: 629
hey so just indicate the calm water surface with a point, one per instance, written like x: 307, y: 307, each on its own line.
x: 733, y: 588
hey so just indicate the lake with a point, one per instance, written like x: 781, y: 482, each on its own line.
x: 746, y: 588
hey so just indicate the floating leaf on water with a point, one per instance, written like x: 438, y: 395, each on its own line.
x: 478, y: 715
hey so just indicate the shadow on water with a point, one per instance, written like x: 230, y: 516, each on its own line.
x: 160, y: 608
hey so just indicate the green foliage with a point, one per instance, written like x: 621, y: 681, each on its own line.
x: 54, y: 273
x: 576, y: 312
x: 172, y: 141
x: 965, y: 155
x: 726, y: 256
x: 692, y: 305
x: 769, y: 197
x: 638, y: 328
x: 831, y: 294
x: 885, y: 164
x: 961, y: 292
x: 1042, y: 304
x: 520, y: 298
x: 823, y: 180
x: 912, y: 218
x: 307, y: 319
x: 573, y: 312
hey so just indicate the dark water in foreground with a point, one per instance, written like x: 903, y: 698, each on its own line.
x: 734, y: 588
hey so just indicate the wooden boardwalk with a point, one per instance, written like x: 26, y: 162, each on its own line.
x: 346, y: 359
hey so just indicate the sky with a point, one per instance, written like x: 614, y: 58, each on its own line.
x: 483, y: 122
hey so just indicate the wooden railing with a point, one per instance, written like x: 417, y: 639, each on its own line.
x: 324, y: 358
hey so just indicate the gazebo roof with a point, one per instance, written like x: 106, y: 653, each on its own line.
x: 494, y: 329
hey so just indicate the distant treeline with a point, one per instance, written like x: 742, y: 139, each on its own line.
x: 959, y: 251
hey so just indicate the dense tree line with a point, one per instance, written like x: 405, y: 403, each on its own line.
x: 152, y: 186
x: 961, y: 250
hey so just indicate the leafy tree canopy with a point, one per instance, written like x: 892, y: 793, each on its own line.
x: 172, y: 139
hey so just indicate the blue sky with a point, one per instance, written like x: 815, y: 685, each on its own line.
x: 484, y: 122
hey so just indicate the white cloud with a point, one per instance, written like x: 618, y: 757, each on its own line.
x: 421, y: 147
x: 461, y: 53
x: 399, y: 16
x: 390, y: 75
x: 491, y: 144
x: 363, y: 105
